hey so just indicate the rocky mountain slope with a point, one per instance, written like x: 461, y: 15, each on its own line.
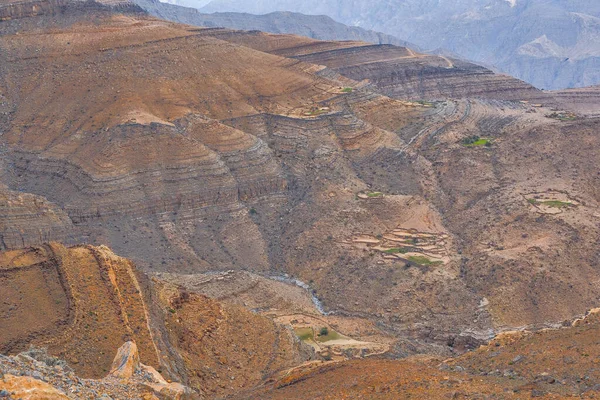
x: 398, y: 72
x: 200, y: 342
x: 584, y: 100
x: 552, y: 44
x: 316, y: 27
x: 552, y: 364
x: 297, y: 145
x: 34, y: 374
x: 82, y: 303
x: 288, y: 200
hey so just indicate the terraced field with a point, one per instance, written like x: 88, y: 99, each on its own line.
x: 410, y: 246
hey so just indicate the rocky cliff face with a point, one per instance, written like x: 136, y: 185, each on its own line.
x: 27, y: 219
x: 22, y: 9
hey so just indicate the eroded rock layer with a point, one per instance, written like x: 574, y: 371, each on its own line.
x: 396, y: 71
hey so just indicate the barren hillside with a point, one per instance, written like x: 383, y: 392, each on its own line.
x: 83, y: 303
x: 553, y: 364
x: 199, y: 135
x: 285, y: 199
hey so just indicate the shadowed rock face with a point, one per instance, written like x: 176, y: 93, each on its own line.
x: 193, y: 150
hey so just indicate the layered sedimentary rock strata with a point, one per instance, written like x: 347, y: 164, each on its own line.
x: 27, y: 218
x: 582, y: 100
x: 397, y: 71
x: 22, y: 9
x: 193, y: 150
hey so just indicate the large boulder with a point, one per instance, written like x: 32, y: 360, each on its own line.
x: 126, y: 362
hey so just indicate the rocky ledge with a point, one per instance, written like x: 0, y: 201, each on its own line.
x: 34, y: 374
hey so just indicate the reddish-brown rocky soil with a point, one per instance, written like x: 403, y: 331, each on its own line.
x: 225, y: 348
x: 552, y: 364
x: 81, y: 303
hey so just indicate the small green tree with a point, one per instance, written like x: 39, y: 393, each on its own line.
x: 324, y: 331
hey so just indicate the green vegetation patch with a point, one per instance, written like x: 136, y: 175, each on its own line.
x: 396, y: 250
x: 330, y: 335
x: 304, y: 334
x: 557, y: 203
x: 374, y: 194
x: 550, y: 203
x: 475, y: 140
x: 562, y: 116
x: 317, y: 111
x: 422, y: 260
x: 347, y: 90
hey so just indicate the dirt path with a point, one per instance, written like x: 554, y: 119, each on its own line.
x: 450, y: 63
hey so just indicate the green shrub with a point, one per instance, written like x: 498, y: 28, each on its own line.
x: 476, y: 141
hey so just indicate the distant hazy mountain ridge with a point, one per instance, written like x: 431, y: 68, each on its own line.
x: 317, y: 27
x: 552, y: 44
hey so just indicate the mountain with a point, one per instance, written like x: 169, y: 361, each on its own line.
x: 317, y: 27
x: 188, y: 3
x: 551, y: 44
x: 261, y: 212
